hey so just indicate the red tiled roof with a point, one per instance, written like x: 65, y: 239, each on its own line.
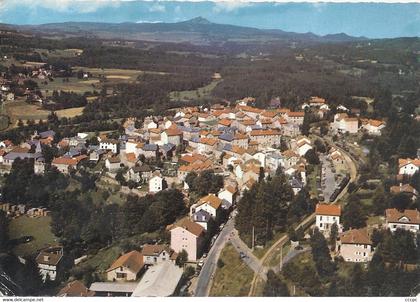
x: 328, y: 209
x: 355, y: 236
x: 132, y: 260
x: 393, y: 215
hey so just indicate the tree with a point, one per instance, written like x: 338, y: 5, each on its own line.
x: 400, y: 201
x: 320, y: 146
x: 275, y: 286
x: 356, y: 285
x: 321, y: 254
x: 4, y: 231
x: 353, y: 215
x: 220, y: 263
x: 305, y: 127
x: 312, y: 157
x: 333, y: 235
x: 182, y: 258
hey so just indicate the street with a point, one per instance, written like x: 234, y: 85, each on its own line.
x: 209, y: 268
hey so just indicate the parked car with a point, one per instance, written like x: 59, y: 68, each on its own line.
x: 205, y: 255
x: 242, y: 255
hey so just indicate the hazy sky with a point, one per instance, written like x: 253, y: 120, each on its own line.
x: 374, y: 20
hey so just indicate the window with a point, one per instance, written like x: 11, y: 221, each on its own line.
x: 121, y: 275
x: 320, y: 218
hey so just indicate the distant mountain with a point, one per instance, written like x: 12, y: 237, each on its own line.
x: 198, y: 30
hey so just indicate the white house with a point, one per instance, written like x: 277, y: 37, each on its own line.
x: 109, y: 144
x: 210, y: 203
x: 303, y: 145
x: 156, y: 253
x: 156, y: 183
x: 355, y: 246
x: 408, y: 166
x: 228, y: 195
x: 49, y: 261
x: 373, y: 127
x: 406, y: 220
x: 343, y: 123
x: 326, y: 216
x: 126, y: 267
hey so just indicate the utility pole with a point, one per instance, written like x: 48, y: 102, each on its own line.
x: 253, y: 235
x: 281, y: 257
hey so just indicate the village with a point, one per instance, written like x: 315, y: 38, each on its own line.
x: 239, y: 142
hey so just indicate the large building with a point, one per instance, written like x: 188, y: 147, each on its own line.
x: 355, y: 246
x: 49, y: 262
x: 326, y: 216
x: 189, y: 236
x: 407, y: 220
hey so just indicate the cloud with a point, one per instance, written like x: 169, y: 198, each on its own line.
x: 229, y: 6
x: 157, y: 8
x: 81, y: 6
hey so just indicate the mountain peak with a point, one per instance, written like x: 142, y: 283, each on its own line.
x: 199, y: 20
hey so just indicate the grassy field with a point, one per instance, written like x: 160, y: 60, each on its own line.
x: 103, y: 259
x: 70, y: 112
x: 39, y: 228
x: 276, y: 260
x: 20, y: 110
x: 234, y: 278
x: 74, y: 84
x: 198, y: 94
x: 115, y: 73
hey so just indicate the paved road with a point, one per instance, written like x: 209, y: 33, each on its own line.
x: 289, y: 256
x: 251, y: 260
x: 206, y: 276
x: 329, y: 178
x: 351, y: 164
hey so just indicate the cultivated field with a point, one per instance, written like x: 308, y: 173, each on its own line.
x: 20, y: 110
x: 74, y: 84
x: 70, y: 112
x: 39, y: 228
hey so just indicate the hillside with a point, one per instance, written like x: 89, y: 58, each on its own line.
x: 197, y: 30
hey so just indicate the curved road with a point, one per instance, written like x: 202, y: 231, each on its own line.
x: 259, y: 266
x: 308, y: 220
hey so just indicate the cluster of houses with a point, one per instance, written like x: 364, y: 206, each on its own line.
x: 344, y: 124
x: 12, y: 210
x: 355, y: 245
x: 151, y: 272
